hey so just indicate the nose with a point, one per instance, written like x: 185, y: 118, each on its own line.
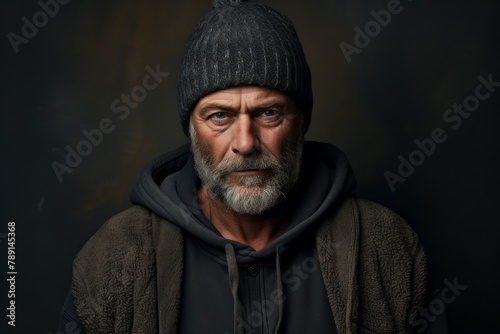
x: 245, y: 140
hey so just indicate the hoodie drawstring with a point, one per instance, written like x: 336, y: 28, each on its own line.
x: 279, y: 286
x: 234, y: 281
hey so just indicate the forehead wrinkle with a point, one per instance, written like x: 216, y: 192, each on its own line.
x: 266, y: 99
x: 216, y: 105
x: 209, y: 106
x: 243, y: 99
x: 268, y: 104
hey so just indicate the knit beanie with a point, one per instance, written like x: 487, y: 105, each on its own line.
x: 242, y: 43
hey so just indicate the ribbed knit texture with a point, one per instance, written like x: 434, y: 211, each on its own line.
x: 240, y: 43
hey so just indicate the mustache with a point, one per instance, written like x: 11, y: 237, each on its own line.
x: 254, y: 162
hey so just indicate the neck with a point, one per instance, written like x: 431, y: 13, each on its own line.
x: 256, y: 231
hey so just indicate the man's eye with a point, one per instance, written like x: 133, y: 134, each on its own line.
x: 269, y: 113
x: 220, y: 118
x: 219, y: 115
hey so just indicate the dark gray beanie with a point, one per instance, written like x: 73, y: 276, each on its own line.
x: 241, y: 43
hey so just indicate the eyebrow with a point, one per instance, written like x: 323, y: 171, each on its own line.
x: 206, y: 108
x: 271, y: 104
x: 215, y: 105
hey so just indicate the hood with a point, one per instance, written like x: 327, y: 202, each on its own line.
x: 168, y: 187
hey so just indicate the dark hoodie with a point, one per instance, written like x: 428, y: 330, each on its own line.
x: 229, y: 287
x: 279, y: 286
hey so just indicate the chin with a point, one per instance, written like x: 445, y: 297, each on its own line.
x: 251, y: 200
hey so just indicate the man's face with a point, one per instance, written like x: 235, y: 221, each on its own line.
x: 247, y: 146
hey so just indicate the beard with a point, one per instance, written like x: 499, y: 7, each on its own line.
x: 249, y: 194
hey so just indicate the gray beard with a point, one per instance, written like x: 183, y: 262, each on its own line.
x: 252, y: 194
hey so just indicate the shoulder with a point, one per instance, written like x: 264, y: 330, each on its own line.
x: 122, y: 236
x: 383, y: 225
x: 370, y: 230
x: 129, y: 221
x: 123, y: 230
x: 128, y: 240
x: 372, y: 223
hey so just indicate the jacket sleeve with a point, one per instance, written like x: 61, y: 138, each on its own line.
x: 392, y: 268
x: 419, y: 287
x: 113, y: 282
x: 374, y: 268
x: 69, y: 322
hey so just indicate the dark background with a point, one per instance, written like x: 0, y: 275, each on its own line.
x: 394, y: 91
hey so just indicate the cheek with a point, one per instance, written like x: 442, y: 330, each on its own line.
x: 206, y: 152
x: 213, y: 147
x: 277, y: 140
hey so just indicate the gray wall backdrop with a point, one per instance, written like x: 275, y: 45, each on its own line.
x: 396, y: 89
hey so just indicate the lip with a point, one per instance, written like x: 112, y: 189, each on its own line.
x: 248, y: 172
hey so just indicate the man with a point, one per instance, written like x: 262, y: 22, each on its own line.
x: 248, y: 229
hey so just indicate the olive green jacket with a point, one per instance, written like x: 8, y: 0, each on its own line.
x: 128, y: 277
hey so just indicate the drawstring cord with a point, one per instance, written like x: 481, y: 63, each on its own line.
x: 234, y: 281
x: 279, y: 286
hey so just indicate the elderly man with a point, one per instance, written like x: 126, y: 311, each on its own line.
x: 248, y: 229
